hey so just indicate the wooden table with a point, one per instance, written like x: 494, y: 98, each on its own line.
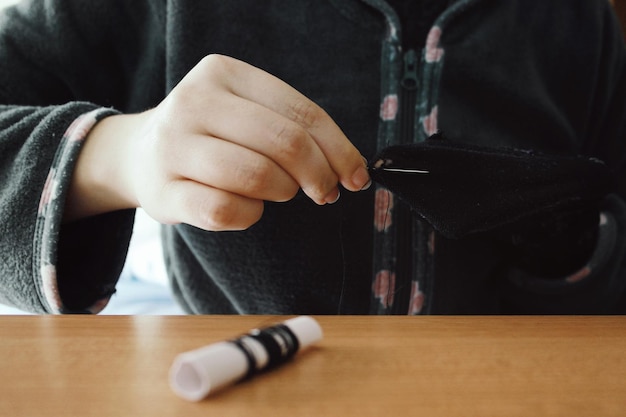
x: 365, y: 366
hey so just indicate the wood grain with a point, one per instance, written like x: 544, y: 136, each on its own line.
x: 365, y: 366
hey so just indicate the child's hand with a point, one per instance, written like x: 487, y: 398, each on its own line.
x: 227, y: 137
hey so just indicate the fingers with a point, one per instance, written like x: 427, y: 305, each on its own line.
x: 208, y: 208
x: 344, y: 159
x: 230, y: 136
x: 304, y: 126
x: 280, y: 140
x: 225, y: 165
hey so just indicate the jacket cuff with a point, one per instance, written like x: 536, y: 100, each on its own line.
x: 54, y: 241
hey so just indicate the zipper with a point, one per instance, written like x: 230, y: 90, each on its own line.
x: 409, y: 84
x: 405, y: 248
x: 408, y: 96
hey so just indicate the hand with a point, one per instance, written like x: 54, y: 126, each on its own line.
x: 227, y: 137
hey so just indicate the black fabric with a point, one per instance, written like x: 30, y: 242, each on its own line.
x: 76, y: 254
x: 416, y: 18
x: 546, y: 206
x: 467, y: 189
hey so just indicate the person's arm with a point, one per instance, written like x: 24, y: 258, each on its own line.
x: 52, y: 65
x: 228, y: 137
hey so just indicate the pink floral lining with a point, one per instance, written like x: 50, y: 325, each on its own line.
x: 50, y: 211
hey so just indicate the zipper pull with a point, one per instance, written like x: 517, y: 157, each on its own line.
x: 409, y: 75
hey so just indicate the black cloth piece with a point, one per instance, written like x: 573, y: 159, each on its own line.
x: 470, y: 189
x: 545, y: 208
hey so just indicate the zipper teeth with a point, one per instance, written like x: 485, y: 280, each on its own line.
x: 390, y: 48
x: 408, y: 87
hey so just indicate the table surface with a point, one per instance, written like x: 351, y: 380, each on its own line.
x: 365, y: 366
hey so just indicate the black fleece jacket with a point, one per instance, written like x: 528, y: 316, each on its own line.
x: 531, y: 75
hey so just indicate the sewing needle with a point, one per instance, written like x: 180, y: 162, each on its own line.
x: 408, y: 171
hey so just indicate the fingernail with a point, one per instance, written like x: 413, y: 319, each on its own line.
x: 333, y: 197
x: 361, y: 179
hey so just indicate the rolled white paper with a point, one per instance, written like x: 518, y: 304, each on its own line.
x: 197, y: 373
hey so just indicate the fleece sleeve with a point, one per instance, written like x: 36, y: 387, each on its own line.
x: 56, y: 60
x: 41, y: 257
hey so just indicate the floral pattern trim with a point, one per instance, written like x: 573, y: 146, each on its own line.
x: 50, y: 212
x: 386, y: 283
